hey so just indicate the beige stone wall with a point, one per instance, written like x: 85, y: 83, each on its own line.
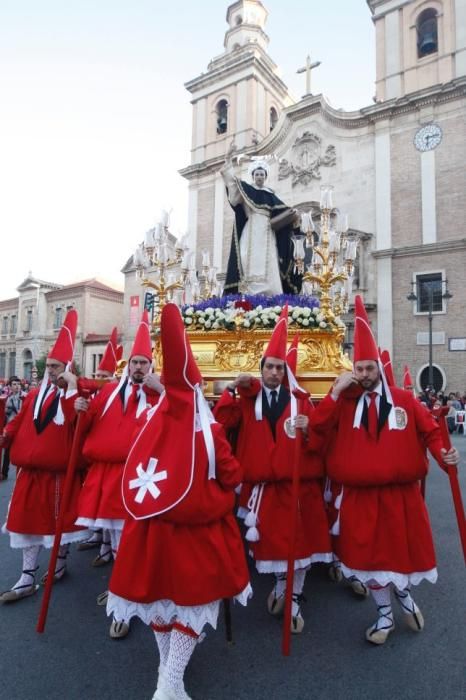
x: 103, y: 314
x: 450, y: 160
x: 406, y: 188
x: 205, y: 218
x: 406, y: 324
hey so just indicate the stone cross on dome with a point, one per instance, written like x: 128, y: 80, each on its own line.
x: 307, y: 69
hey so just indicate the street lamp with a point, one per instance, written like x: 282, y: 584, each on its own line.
x: 429, y: 285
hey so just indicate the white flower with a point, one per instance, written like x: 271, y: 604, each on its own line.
x: 201, y: 320
x: 259, y: 308
x: 295, y: 314
x: 188, y: 321
x: 208, y: 324
x: 319, y: 318
x: 209, y: 310
x: 322, y: 324
x: 189, y: 312
x: 316, y: 311
x: 306, y: 312
x: 305, y: 322
x: 277, y: 309
x: 246, y: 323
x: 216, y: 324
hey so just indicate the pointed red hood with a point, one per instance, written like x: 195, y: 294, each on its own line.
x: 110, y: 357
x: 277, y: 343
x: 142, y: 343
x: 63, y: 349
x: 365, y: 347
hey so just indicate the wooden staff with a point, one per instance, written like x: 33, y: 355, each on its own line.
x: 452, y: 472
x: 67, y: 486
x: 286, y: 634
x: 227, y: 619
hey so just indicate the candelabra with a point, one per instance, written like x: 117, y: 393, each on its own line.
x: 152, y: 256
x: 330, y: 274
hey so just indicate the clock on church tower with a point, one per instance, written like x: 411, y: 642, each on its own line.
x: 428, y: 137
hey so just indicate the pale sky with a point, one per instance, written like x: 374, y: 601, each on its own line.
x: 95, y: 120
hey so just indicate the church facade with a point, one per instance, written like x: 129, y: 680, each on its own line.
x: 397, y: 167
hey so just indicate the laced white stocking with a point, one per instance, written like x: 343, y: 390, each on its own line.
x: 280, y: 585
x: 381, y: 595
x: 298, y: 585
x: 406, y: 601
x: 115, y: 537
x: 163, y: 642
x: 181, y: 649
x: 30, y: 557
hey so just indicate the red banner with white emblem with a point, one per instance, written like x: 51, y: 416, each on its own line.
x: 159, y: 470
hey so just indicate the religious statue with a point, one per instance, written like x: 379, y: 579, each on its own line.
x: 261, y: 254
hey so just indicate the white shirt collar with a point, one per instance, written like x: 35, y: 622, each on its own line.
x: 377, y: 390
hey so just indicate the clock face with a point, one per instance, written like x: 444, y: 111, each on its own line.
x: 428, y: 137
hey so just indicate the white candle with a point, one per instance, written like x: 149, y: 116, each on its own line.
x: 205, y: 258
x: 326, y: 197
x: 138, y: 257
x: 164, y: 218
x: 163, y: 254
x: 298, y: 245
x: 185, y: 260
x: 149, y: 238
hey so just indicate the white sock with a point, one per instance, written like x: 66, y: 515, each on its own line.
x: 298, y: 585
x: 280, y: 585
x: 105, y: 550
x: 30, y: 557
x: 381, y: 595
x: 181, y: 649
x: 406, y: 601
x: 63, y: 551
x: 163, y: 642
x: 115, y: 537
x: 96, y: 536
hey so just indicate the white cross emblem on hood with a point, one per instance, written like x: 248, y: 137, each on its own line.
x: 147, y: 480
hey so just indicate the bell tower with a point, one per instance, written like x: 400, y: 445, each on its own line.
x: 239, y: 98
x: 241, y: 95
x: 419, y: 44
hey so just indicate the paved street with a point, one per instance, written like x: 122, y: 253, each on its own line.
x: 75, y: 659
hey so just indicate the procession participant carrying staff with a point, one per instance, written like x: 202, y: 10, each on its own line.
x: 40, y: 437
x: 181, y: 551
x: 111, y: 423
x: 377, y: 453
x: 265, y: 414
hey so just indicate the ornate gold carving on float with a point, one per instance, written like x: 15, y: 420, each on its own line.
x: 221, y: 355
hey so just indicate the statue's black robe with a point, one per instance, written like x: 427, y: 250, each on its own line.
x: 262, y: 199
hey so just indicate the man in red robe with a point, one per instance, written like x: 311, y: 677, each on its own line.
x: 112, y: 417
x: 40, y: 437
x: 105, y: 372
x: 377, y: 437
x: 266, y: 416
x: 181, y: 551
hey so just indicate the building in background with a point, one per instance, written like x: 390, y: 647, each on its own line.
x: 397, y: 166
x: 30, y: 322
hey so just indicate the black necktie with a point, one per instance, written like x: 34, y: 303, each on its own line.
x: 274, y: 403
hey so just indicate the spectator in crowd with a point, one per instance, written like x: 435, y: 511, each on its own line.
x: 13, y: 405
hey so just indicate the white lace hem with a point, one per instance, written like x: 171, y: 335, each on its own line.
x: 195, y: 617
x: 277, y: 566
x: 383, y: 578
x: 19, y: 541
x: 101, y: 523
